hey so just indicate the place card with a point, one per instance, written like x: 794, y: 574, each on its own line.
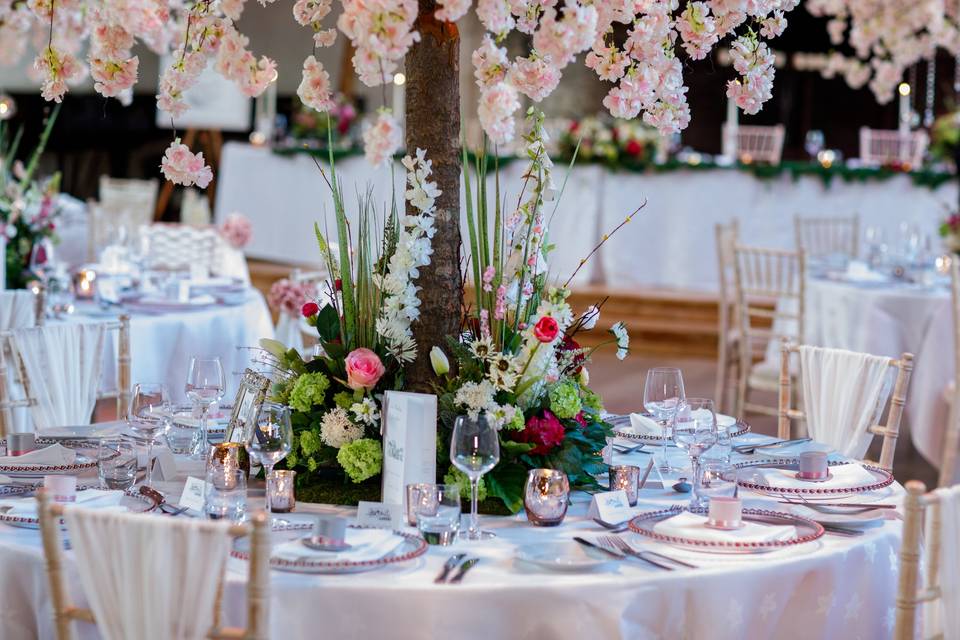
x: 610, y: 506
x: 409, y: 442
x: 192, y: 496
x: 379, y: 515
x: 164, y: 465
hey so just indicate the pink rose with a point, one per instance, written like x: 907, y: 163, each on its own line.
x: 364, y: 369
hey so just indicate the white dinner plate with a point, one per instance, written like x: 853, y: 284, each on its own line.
x: 563, y: 556
x: 842, y: 516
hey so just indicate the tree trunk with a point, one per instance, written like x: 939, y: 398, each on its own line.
x: 433, y: 124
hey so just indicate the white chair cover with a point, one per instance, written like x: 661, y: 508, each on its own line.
x: 844, y: 393
x: 943, y: 615
x: 178, y: 246
x: 148, y: 577
x: 63, y: 364
x: 17, y: 309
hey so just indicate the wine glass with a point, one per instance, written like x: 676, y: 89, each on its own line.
x: 813, y: 142
x: 149, y: 416
x: 475, y: 450
x: 269, y: 438
x: 695, y: 431
x: 205, y: 387
x: 42, y: 259
x: 662, y: 394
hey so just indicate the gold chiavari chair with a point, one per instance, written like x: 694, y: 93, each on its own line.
x: 9, y: 357
x: 770, y: 302
x: 821, y: 237
x: 258, y: 582
x: 889, y: 431
x: 922, y: 519
x: 951, y: 437
x: 728, y: 329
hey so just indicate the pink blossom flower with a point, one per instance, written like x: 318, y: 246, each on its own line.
x: 698, y: 30
x: 495, y: 16
x: 500, y: 310
x: 497, y: 105
x: 451, y: 10
x: 236, y: 230
x: 181, y: 166
x: 382, y: 33
x: 57, y: 68
x: 308, y: 12
x: 382, y: 139
x: 314, y: 89
x: 232, y: 8
x: 364, y: 369
x: 609, y: 62
x: 490, y: 63
x: 113, y: 77
x: 535, y: 77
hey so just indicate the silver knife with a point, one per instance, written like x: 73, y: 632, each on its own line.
x: 449, y: 566
x: 466, y: 566
x: 598, y: 547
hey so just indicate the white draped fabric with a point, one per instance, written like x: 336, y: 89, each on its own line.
x: 63, y: 364
x: 17, y: 309
x: 670, y: 244
x: 148, y: 577
x: 943, y: 615
x: 843, y: 395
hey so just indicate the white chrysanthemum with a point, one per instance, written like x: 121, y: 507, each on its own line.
x: 475, y: 397
x: 336, y: 428
x: 503, y: 371
x: 482, y: 348
x: 365, y: 411
x: 619, y: 331
x: 501, y: 415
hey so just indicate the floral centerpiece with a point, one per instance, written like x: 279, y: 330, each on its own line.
x: 309, y: 124
x: 28, y: 206
x: 950, y: 232
x: 616, y: 143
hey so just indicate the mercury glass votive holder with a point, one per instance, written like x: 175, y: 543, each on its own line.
x: 545, y: 497
x: 280, y: 491
x: 627, y: 478
x: 414, y: 492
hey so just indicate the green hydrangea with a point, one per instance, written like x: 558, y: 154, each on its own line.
x: 455, y: 476
x: 591, y: 400
x: 310, y: 442
x: 308, y: 391
x: 565, y: 400
x: 517, y: 423
x: 361, y: 459
x: 344, y: 400
x: 280, y: 392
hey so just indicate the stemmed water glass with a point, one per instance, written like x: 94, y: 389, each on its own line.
x: 662, y: 394
x: 269, y: 438
x: 475, y: 450
x: 149, y: 416
x: 205, y: 387
x: 695, y: 431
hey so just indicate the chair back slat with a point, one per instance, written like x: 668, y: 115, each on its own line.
x: 828, y: 236
x: 951, y: 439
x: 889, y: 146
x: 757, y: 143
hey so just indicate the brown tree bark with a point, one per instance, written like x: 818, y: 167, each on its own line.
x: 433, y: 124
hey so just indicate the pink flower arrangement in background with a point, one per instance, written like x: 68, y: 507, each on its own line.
x: 236, y: 230
x: 181, y: 166
x: 289, y: 297
x: 364, y: 369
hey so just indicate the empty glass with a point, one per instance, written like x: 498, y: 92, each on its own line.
x: 695, y: 431
x: 720, y: 452
x: 269, y: 438
x: 205, y: 387
x: 474, y: 449
x: 225, y: 494
x: 437, y: 513
x: 117, y: 464
x: 717, y: 480
x: 149, y: 417
x: 662, y: 394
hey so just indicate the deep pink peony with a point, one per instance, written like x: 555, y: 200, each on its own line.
x: 364, y: 369
x: 545, y: 432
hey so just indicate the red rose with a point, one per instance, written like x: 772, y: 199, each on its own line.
x: 545, y: 432
x: 338, y: 285
x: 309, y: 309
x: 546, y: 329
x: 634, y: 148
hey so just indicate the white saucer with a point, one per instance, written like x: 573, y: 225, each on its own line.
x: 563, y: 556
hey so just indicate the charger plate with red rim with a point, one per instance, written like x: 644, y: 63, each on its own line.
x: 81, y: 464
x: 807, y: 531
x: 816, y: 490
x: 132, y: 497
x: 413, y: 546
x: 620, y: 423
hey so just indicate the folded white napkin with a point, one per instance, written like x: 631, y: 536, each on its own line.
x: 845, y: 476
x: 644, y: 426
x: 365, y: 544
x: 693, y: 526
x: 55, y: 454
x: 88, y: 498
x: 860, y: 272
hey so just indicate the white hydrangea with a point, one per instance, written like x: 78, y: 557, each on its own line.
x: 475, y: 397
x: 400, y: 303
x: 336, y: 428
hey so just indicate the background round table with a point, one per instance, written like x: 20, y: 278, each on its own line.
x: 887, y: 320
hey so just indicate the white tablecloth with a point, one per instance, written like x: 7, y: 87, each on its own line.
x: 837, y: 587
x: 888, y: 321
x: 669, y: 245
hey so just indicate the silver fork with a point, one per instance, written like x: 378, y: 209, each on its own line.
x: 656, y: 554
x: 621, y: 546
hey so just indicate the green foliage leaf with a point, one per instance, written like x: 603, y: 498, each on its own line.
x: 328, y: 323
x: 506, y: 483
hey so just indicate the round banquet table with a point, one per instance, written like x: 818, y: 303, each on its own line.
x: 835, y: 587
x: 887, y: 320
x: 161, y: 344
